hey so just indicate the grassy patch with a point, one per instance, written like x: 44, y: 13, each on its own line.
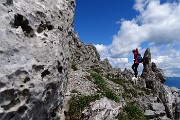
x: 98, y: 80
x: 132, y: 91
x: 77, y: 105
x: 147, y: 91
x: 88, y: 77
x: 111, y: 95
x: 122, y: 116
x: 129, y: 90
x: 117, y: 79
x: 131, y: 112
x: 96, y: 69
x: 73, y: 66
x: 101, y: 83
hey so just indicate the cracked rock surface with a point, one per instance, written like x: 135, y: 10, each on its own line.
x: 34, y: 57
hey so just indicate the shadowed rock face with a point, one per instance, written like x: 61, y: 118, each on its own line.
x: 147, y: 61
x: 154, y: 78
x: 34, y: 55
x: 151, y: 73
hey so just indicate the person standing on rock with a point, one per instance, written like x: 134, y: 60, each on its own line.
x: 136, y: 63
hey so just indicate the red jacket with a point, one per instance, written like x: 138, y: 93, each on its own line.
x: 136, y: 56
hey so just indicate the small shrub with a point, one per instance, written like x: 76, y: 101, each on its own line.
x: 88, y: 77
x: 126, y: 95
x: 148, y: 91
x: 131, y: 112
x: 115, y: 78
x: 98, y: 80
x: 122, y: 116
x: 133, y: 92
x: 96, y: 69
x: 77, y: 105
x: 111, y: 95
x: 101, y: 83
x: 74, y: 67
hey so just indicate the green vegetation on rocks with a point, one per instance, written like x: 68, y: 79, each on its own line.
x: 131, y: 112
x: 77, y: 105
x: 73, y: 66
x: 102, y: 85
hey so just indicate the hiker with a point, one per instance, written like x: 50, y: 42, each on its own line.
x: 136, y: 63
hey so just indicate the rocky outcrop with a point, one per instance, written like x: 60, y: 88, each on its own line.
x: 153, y: 76
x: 148, y: 91
x: 168, y: 97
x: 102, y: 109
x: 149, y: 84
x: 171, y: 99
x: 34, y: 55
x: 84, y: 55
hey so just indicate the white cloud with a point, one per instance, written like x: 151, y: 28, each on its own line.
x: 119, y: 62
x: 140, y: 5
x: 103, y: 50
x: 129, y: 37
x: 160, y: 59
x: 157, y: 24
x: 169, y: 62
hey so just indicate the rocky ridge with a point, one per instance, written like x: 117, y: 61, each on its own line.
x: 154, y: 99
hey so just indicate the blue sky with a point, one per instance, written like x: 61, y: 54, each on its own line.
x: 97, y: 20
x: 116, y: 27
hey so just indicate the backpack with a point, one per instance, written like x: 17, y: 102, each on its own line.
x: 140, y: 59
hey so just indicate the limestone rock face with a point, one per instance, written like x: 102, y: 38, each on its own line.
x: 105, y: 64
x: 84, y: 55
x: 102, y: 109
x: 168, y: 97
x: 34, y: 57
x: 152, y: 75
x: 87, y: 56
x: 158, y: 72
x: 171, y: 100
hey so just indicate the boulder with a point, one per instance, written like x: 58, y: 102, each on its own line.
x: 101, y: 109
x: 150, y: 114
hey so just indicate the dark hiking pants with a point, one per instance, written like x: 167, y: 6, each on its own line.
x: 134, y: 67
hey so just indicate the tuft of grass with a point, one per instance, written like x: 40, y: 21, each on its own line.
x: 102, y: 85
x: 111, y: 95
x: 77, y: 105
x: 73, y: 66
x: 116, y: 78
x: 132, y: 112
x: 129, y: 92
x: 132, y: 91
x: 98, y: 80
x: 148, y: 91
x: 96, y: 69
x: 122, y: 116
x: 88, y: 77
